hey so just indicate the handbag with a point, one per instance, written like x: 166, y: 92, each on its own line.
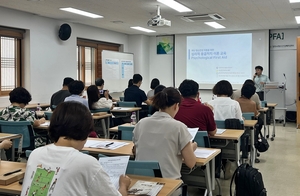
x: 261, y: 144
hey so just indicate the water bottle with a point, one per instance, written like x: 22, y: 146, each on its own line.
x: 38, y: 108
x: 133, y: 118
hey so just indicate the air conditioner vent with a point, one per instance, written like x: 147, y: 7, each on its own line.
x: 202, y: 17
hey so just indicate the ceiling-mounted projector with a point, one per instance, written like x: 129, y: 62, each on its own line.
x: 158, y: 21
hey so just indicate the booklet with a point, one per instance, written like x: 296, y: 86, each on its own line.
x: 145, y: 188
x: 193, y: 132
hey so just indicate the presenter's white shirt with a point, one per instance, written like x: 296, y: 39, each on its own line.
x: 225, y: 107
x: 56, y: 171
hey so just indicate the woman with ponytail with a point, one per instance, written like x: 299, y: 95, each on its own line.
x: 164, y: 139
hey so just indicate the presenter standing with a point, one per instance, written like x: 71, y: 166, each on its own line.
x: 260, y: 79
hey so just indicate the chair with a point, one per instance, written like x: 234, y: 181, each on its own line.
x: 248, y: 115
x: 221, y: 123
x: 125, y: 132
x: 263, y: 104
x: 100, y: 110
x: 127, y: 104
x: 121, y: 98
x: 202, y: 139
x: 48, y: 115
x: 144, y: 168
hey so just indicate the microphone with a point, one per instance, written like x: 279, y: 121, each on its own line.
x: 284, y: 75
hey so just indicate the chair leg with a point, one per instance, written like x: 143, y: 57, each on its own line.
x: 219, y: 187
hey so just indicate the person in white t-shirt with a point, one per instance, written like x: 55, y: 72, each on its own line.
x: 96, y: 101
x: 60, y: 169
x: 164, y: 139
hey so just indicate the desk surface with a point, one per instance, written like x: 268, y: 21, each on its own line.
x: 201, y: 161
x: 4, y: 136
x: 122, y: 151
x: 34, y: 105
x: 229, y: 134
x: 125, y: 109
x: 15, y: 188
x: 97, y: 117
x: 271, y: 105
x: 250, y: 123
x: 263, y: 109
x: 115, y: 129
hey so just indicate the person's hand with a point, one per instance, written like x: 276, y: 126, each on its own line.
x: 210, y: 106
x: 124, y: 181
x: 5, y: 144
x: 42, y: 120
x: 254, y: 75
x: 194, y: 145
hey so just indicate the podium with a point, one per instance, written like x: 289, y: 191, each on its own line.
x: 275, y: 93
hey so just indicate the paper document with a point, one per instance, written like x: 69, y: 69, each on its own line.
x: 114, y: 167
x: 45, y: 124
x: 220, y: 131
x: 145, y: 188
x: 193, y: 132
x: 109, y: 145
x: 121, y: 108
x: 203, y: 153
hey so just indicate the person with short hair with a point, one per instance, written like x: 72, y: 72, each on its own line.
x: 167, y: 137
x: 237, y: 94
x: 191, y: 112
x: 260, y: 80
x: 247, y: 105
x: 223, y: 106
x: 64, y: 169
x: 100, y: 84
x: 134, y: 93
x: 19, y: 97
x: 154, y: 83
x: 96, y: 101
x: 76, y: 89
x: 60, y: 95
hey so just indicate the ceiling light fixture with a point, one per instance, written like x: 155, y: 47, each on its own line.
x: 215, y: 25
x: 175, y: 5
x: 143, y: 29
x: 297, y: 19
x: 80, y: 12
x: 294, y: 1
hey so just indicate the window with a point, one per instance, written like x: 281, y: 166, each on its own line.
x: 10, y: 59
x: 89, y: 59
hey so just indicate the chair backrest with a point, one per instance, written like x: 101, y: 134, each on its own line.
x: 221, y: 123
x: 263, y: 104
x: 144, y: 168
x: 202, y: 139
x: 100, y: 110
x: 125, y: 132
x: 127, y: 104
x: 19, y: 127
x: 48, y: 115
x: 248, y: 115
x: 121, y: 98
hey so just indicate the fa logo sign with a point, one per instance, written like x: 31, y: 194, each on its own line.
x: 276, y: 36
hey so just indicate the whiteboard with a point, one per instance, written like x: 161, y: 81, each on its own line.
x: 117, y: 69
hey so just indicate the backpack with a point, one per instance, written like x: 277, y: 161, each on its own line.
x: 248, y: 181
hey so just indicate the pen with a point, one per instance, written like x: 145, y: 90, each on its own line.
x: 12, y: 172
x: 109, y: 144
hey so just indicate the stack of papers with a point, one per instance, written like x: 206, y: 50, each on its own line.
x: 45, y: 124
x: 220, y: 131
x: 145, y: 188
x: 114, y: 167
x: 193, y: 132
x: 109, y: 145
x: 204, y: 153
x: 120, y: 108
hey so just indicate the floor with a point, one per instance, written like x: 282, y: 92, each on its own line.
x: 279, y: 166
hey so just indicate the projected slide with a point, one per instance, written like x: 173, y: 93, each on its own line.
x: 212, y: 58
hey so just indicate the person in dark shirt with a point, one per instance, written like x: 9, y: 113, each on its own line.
x: 134, y: 93
x: 60, y: 95
x: 100, y: 84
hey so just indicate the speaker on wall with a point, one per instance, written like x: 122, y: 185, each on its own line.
x: 64, y: 32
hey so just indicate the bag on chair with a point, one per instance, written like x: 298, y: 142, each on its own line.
x: 248, y: 181
x: 261, y: 144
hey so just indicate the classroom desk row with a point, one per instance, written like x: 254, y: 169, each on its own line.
x: 169, y: 187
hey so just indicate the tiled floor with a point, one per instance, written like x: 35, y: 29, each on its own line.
x: 279, y: 166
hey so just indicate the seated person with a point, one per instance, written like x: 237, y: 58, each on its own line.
x: 100, y: 84
x: 76, y: 88
x: 153, y: 85
x: 191, y: 112
x: 167, y: 137
x: 60, y: 95
x: 237, y: 94
x: 223, y: 106
x: 134, y: 93
x: 71, y: 172
x: 19, y: 98
x: 96, y: 101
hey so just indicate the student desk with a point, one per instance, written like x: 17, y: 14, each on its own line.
x: 15, y: 188
x: 250, y: 126
x: 4, y: 136
x: 122, y: 151
x: 115, y: 129
x: 271, y: 107
x: 32, y: 106
x: 222, y: 141
x: 126, y: 111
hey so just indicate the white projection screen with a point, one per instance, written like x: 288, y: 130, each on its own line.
x: 208, y: 59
